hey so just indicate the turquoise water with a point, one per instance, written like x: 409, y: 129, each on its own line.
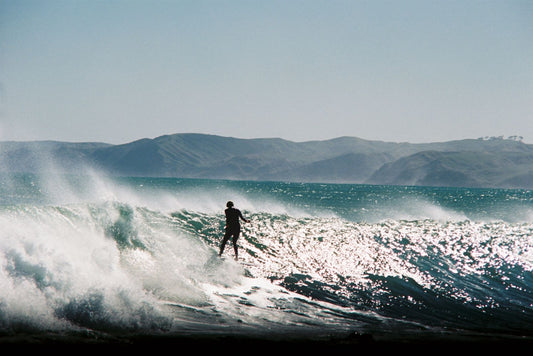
x: 95, y: 255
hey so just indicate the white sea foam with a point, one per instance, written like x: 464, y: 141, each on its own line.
x: 112, y: 254
x: 110, y: 265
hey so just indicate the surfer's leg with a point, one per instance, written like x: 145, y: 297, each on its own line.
x: 235, y: 248
x: 223, y: 244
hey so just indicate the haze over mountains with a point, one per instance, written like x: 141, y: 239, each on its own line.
x: 487, y: 162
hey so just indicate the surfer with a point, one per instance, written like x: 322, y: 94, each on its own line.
x: 233, y: 227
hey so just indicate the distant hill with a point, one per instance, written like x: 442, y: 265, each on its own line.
x: 461, y: 168
x: 494, y: 162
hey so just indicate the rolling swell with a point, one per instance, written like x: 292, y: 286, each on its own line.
x: 140, y: 263
x: 461, y: 275
x: 112, y: 269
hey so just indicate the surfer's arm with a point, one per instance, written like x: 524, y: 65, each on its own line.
x: 242, y: 217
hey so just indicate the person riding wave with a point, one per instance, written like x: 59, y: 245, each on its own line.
x: 233, y: 227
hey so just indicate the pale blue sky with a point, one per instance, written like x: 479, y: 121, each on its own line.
x: 120, y: 70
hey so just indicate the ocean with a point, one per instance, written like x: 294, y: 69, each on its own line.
x: 96, y: 259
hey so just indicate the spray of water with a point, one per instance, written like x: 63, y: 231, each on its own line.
x: 86, y: 252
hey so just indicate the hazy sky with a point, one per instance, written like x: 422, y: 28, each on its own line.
x: 120, y: 70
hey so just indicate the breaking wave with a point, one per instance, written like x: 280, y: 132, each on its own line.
x: 88, y: 255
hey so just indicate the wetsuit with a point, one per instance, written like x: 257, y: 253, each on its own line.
x: 233, y: 228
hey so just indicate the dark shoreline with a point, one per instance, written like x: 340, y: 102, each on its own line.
x: 253, y: 343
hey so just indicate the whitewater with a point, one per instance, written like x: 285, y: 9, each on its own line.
x: 91, y: 257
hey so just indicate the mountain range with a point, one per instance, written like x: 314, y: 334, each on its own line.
x: 484, y: 162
